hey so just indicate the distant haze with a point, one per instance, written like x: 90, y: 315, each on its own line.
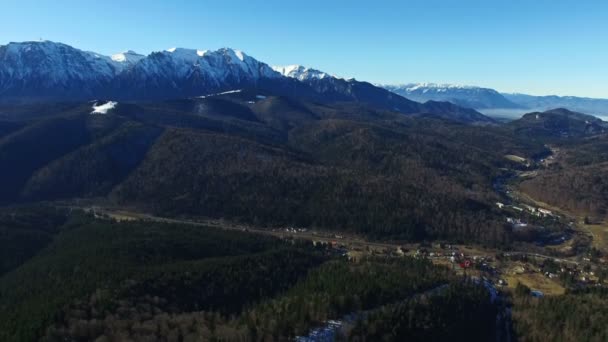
x: 507, y: 114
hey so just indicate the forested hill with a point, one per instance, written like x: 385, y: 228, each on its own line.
x: 267, y: 160
x: 577, y: 180
x: 99, y: 280
x: 558, y: 123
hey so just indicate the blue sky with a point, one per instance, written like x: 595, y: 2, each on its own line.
x: 537, y: 46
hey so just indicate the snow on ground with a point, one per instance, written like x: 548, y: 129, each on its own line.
x: 224, y: 93
x: 128, y: 57
x: 104, y: 108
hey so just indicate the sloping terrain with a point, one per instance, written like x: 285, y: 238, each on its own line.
x: 103, y: 280
x: 93, y: 170
x: 41, y: 142
x: 7, y: 127
x: 44, y: 71
x: 576, y: 181
x: 270, y: 160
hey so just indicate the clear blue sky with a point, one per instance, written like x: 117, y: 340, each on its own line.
x: 536, y: 46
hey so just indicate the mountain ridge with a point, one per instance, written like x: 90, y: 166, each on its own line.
x: 489, y: 99
x: 49, y: 71
x: 467, y: 96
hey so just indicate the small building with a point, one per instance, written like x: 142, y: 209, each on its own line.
x: 500, y: 205
x: 517, y: 208
x: 545, y: 211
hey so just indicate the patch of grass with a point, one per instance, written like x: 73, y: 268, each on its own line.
x: 536, y: 281
x: 600, y: 235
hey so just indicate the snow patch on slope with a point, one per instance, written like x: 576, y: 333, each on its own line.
x: 104, y: 108
x: 128, y: 57
x: 223, y: 93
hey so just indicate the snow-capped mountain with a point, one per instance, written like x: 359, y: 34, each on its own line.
x: 58, y: 72
x: 300, y: 72
x: 48, y: 69
x: 218, y: 66
x: 179, y: 72
x: 466, y: 96
x: 339, y: 89
x: 493, y: 103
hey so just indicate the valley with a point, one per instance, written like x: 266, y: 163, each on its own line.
x: 154, y: 206
x: 203, y: 195
x: 495, y: 265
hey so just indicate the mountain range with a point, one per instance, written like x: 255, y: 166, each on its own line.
x: 49, y: 71
x: 492, y: 102
x: 467, y: 96
x: 579, y: 104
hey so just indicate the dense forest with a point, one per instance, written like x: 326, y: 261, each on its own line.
x: 270, y: 161
x: 88, y: 256
x: 106, y: 280
x: 43, y: 142
x: 404, y: 200
x: 577, y: 181
x: 557, y: 125
x: 462, y: 312
x: 582, y: 190
x: 97, y: 279
x: 24, y: 231
x: 335, y: 289
x: 576, y: 316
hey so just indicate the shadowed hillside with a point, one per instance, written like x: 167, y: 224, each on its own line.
x: 271, y: 160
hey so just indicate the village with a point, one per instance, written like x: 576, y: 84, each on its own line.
x: 553, y: 254
x: 545, y: 275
